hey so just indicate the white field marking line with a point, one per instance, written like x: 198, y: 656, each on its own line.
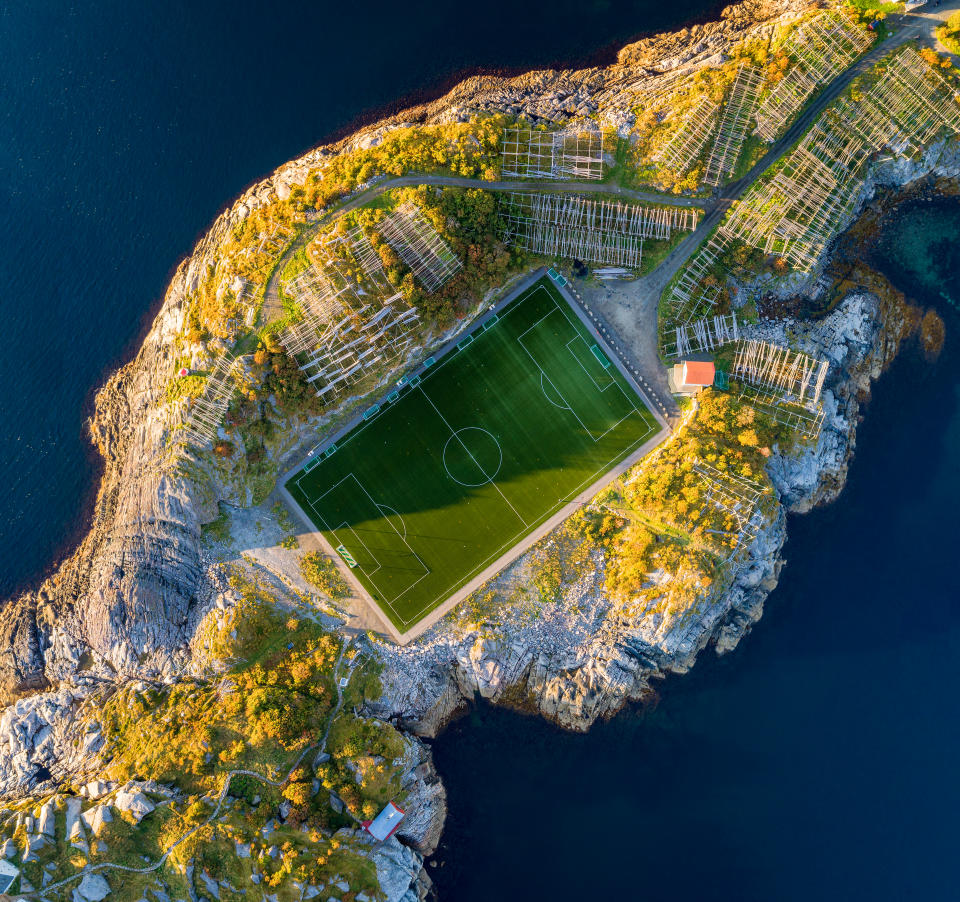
x: 543, y: 388
x: 363, y: 545
x: 543, y: 376
x: 537, y: 323
x: 363, y: 488
x: 577, y: 327
x: 583, y: 425
x: 478, y: 333
x: 590, y: 352
x: 396, y: 513
x: 425, y: 376
x: 465, y: 448
x: 426, y: 570
x: 430, y: 605
x: 632, y: 407
x: 489, y: 479
x: 333, y: 530
x: 517, y: 536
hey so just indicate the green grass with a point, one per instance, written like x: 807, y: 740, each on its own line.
x: 949, y: 33
x: 495, y: 439
x: 750, y: 154
x: 655, y: 252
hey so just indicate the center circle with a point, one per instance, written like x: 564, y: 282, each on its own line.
x: 472, y: 456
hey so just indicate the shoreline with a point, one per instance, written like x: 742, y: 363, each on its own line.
x: 135, y: 599
x: 723, y: 715
x: 603, y: 57
x: 81, y: 523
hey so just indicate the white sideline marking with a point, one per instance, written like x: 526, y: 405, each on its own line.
x: 520, y: 534
x: 362, y: 544
x: 543, y: 375
x: 579, y: 361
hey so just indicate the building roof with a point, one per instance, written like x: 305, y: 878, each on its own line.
x: 698, y: 372
x: 386, y: 822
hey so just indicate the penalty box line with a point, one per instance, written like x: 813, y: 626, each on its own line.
x: 608, y: 465
x: 580, y: 338
x: 369, y: 574
x: 518, y: 536
x: 543, y: 375
x: 579, y: 335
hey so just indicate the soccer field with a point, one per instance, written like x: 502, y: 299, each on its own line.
x: 466, y: 459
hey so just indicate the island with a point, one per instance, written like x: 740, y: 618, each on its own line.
x: 508, y: 394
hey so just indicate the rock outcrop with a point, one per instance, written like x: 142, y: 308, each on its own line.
x: 93, y: 888
x: 127, y: 603
x: 587, y: 656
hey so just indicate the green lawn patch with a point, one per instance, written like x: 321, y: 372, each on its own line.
x: 496, y: 437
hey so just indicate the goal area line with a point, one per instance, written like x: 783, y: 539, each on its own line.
x: 379, y: 549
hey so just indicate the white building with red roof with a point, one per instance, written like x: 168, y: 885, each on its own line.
x: 385, y: 824
x: 690, y: 376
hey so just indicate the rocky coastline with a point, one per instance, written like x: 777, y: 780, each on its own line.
x: 129, y: 603
x: 585, y: 659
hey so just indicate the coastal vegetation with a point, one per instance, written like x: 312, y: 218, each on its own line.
x: 260, y: 762
x: 274, y: 390
x: 247, y: 256
x: 276, y: 700
x: 318, y: 570
x: 661, y: 518
x: 873, y: 11
x: 949, y: 33
x: 678, y: 126
x: 655, y: 534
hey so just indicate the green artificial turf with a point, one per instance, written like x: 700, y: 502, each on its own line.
x: 458, y: 466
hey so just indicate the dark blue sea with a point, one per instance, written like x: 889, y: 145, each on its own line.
x: 126, y: 127
x: 818, y: 761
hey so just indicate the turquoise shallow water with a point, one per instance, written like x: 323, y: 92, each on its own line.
x: 818, y: 760
x: 920, y: 250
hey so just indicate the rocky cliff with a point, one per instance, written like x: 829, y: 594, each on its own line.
x: 127, y: 596
x: 128, y: 603
x: 588, y: 655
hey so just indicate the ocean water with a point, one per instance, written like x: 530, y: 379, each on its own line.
x: 126, y: 127
x: 816, y: 761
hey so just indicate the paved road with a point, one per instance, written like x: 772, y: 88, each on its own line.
x: 657, y: 197
x: 930, y: 18
x: 908, y: 27
x: 272, y: 307
x: 630, y: 310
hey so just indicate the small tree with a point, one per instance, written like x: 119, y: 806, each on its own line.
x: 320, y: 571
